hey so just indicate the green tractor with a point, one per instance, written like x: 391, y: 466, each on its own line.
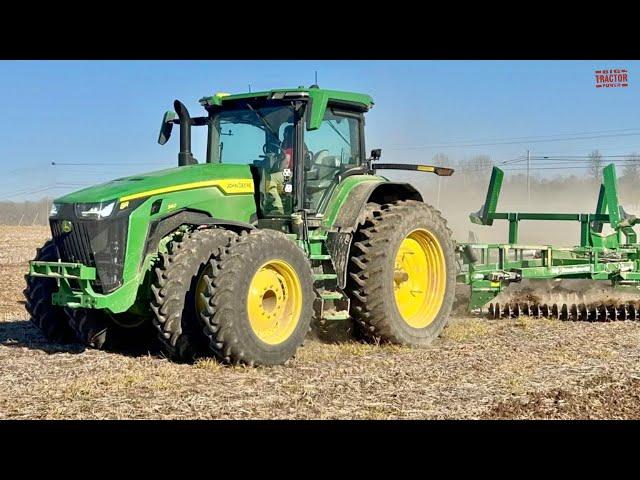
x: 284, y: 225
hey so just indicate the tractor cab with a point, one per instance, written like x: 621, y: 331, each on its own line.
x: 299, y: 143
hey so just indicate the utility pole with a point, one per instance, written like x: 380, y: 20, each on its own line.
x: 528, y: 178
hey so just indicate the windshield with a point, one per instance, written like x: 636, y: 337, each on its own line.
x: 246, y: 135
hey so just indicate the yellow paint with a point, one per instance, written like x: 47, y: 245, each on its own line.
x: 202, y: 287
x: 426, y: 168
x: 495, y: 284
x: 274, y: 302
x: 228, y: 186
x: 171, y: 206
x: 124, y: 205
x: 420, y: 278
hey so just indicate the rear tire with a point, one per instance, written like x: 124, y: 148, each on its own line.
x: 402, y: 274
x: 260, y: 306
x: 50, y: 319
x: 174, y: 291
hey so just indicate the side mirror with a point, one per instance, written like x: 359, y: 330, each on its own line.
x: 376, y: 153
x: 166, y: 127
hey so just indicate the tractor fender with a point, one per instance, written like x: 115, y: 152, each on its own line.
x: 354, y: 209
x: 353, y: 213
x: 160, y: 228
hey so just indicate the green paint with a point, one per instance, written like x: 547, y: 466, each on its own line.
x: 486, y: 214
x: 170, y: 177
x: 319, y: 99
x: 209, y: 200
x: 341, y: 195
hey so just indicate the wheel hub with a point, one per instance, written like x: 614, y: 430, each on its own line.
x: 274, y: 302
x: 419, y: 278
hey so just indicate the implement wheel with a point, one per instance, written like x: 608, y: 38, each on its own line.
x: 402, y: 274
x: 260, y: 306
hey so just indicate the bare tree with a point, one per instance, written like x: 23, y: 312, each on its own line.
x: 25, y: 213
x: 630, y: 178
x: 631, y: 171
x: 441, y: 160
x: 595, y: 165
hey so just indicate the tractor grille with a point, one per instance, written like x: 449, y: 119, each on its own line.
x: 74, y: 246
x: 95, y: 243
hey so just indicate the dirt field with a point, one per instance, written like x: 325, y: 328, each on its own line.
x: 478, y: 369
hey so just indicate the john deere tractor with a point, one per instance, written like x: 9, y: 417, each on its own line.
x: 283, y: 225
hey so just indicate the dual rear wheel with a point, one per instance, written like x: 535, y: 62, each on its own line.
x: 249, y: 297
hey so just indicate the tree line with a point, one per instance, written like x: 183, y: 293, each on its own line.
x: 25, y: 213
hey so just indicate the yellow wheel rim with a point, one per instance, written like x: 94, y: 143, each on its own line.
x: 419, y: 279
x: 274, y: 302
x: 201, y: 287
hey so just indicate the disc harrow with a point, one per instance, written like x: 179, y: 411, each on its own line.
x: 601, y: 312
x: 609, y: 255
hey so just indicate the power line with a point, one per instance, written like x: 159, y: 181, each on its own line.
x: 65, y: 164
x: 513, y: 142
x: 50, y: 186
x: 581, y: 156
x: 553, y: 135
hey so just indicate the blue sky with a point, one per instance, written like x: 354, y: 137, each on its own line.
x: 107, y: 113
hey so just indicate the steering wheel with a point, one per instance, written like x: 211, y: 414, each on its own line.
x: 272, y: 144
x: 318, y: 156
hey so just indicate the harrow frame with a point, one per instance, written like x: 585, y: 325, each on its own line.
x: 491, y: 267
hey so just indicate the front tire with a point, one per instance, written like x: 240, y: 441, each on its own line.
x: 402, y: 274
x: 97, y: 329
x: 50, y: 319
x: 261, y: 304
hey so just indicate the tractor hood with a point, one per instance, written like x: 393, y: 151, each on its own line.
x: 164, y: 181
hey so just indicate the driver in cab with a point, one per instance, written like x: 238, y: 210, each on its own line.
x: 279, y: 182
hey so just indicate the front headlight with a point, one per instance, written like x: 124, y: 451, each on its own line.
x: 95, y: 210
x: 54, y: 210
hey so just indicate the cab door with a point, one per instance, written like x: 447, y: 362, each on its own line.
x: 335, y: 147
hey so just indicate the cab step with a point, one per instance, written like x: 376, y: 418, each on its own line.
x: 324, y: 276
x: 318, y: 256
x: 336, y: 315
x: 328, y: 295
x: 318, y: 238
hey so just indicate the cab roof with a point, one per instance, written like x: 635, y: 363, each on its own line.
x: 319, y: 97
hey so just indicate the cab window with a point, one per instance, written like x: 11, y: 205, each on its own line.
x: 333, y: 148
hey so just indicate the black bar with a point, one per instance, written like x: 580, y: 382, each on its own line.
x: 440, y: 171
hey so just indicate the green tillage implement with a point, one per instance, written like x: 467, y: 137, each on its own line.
x: 615, y: 257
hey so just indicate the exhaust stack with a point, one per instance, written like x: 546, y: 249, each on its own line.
x: 185, y: 157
